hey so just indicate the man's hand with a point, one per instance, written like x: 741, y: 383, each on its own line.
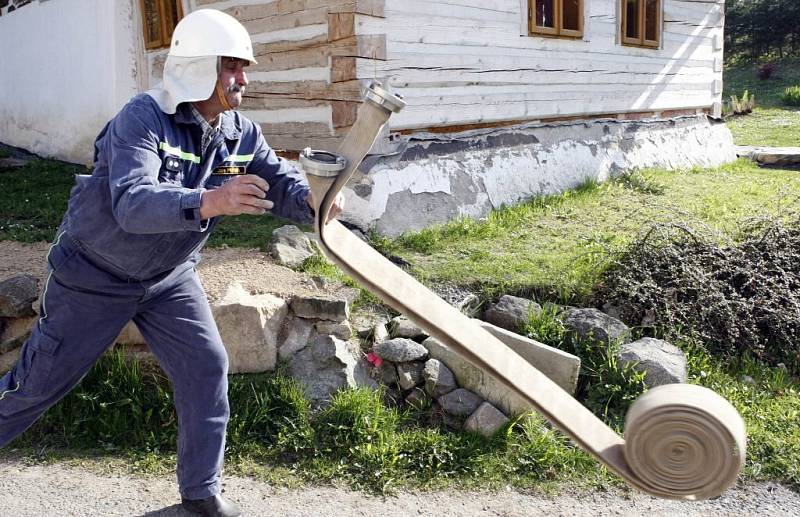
x: 336, y: 207
x: 241, y: 195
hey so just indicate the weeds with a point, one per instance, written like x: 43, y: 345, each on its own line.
x: 791, y: 96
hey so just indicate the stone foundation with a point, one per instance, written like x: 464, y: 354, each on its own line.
x: 432, y: 178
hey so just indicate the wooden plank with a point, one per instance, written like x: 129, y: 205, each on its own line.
x: 341, y: 25
x: 308, y: 90
x: 344, y: 114
x: 343, y: 68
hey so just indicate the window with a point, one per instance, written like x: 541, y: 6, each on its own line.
x: 556, y: 18
x: 159, y: 18
x: 641, y: 23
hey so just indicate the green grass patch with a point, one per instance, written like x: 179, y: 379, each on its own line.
x: 34, y: 198
x: 773, y: 122
x: 556, y: 247
x: 247, y: 231
x: 121, y: 418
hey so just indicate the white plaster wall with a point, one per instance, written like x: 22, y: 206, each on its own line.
x: 67, y: 67
x: 399, y: 195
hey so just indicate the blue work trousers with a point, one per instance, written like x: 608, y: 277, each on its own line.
x: 84, y: 307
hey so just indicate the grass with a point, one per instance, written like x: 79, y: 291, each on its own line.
x: 556, y: 247
x: 34, y: 198
x: 772, y: 123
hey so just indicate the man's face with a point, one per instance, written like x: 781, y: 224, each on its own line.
x: 233, y: 79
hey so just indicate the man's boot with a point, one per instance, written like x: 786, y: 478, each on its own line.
x: 214, y: 506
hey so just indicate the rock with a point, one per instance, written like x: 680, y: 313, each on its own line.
x: 664, y: 363
x: 15, y: 332
x: 294, y: 336
x: 469, y: 305
x: 612, y: 310
x: 320, y: 308
x: 511, y: 313
x: 409, y: 375
x: 17, y: 295
x: 400, y: 350
x: 324, y: 367
x: 439, y: 380
x: 592, y: 324
x: 560, y: 367
x: 290, y: 246
x: 385, y: 374
x: 417, y: 399
x: 364, y: 323
x: 440, y: 417
x: 342, y: 330
x: 379, y: 333
x: 249, y: 326
x: 9, y: 359
x: 401, y: 326
x: 486, y: 420
x: 460, y: 402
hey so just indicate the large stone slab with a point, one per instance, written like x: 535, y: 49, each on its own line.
x: 17, y: 295
x: 324, y: 367
x: 249, y: 326
x: 559, y: 366
x: 775, y: 156
x: 14, y: 332
x: 491, y: 389
x: 320, y: 308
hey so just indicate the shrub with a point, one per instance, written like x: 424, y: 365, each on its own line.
x: 737, y: 299
x: 766, y: 70
x: 740, y: 106
x: 791, y: 96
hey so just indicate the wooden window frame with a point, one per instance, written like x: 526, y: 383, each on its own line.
x: 640, y: 22
x: 558, y: 31
x: 165, y: 32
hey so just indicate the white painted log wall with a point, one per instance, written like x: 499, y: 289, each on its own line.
x: 466, y: 62
x: 274, y: 112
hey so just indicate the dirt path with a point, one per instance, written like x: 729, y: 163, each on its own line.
x: 57, y: 490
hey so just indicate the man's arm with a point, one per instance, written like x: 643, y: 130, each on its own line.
x: 139, y: 201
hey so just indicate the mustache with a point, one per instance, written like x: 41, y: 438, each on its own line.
x: 235, y: 88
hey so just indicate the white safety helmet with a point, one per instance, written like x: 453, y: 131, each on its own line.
x: 199, y: 40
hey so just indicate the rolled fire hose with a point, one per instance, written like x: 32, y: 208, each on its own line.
x: 682, y: 441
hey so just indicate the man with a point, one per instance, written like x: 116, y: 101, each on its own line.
x: 166, y: 167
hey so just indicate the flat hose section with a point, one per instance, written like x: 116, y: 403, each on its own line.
x: 682, y: 441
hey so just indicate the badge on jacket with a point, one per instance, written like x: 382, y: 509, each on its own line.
x: 229, y: 170
x: 172, y: 164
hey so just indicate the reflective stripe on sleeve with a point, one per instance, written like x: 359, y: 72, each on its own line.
x: 176, y: 151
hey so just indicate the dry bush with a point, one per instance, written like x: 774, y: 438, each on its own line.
x: 739, y: 298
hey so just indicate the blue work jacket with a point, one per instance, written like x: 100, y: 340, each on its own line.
x: 138, y: 213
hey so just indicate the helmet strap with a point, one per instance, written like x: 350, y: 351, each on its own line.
x: 221, y: 96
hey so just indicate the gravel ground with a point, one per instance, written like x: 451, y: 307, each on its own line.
x: 58, y: 490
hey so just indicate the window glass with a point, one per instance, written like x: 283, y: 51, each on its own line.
x: 152, y: 24
x: 651, y: 20
x: 632, y: 19
x: 572, y: 15
x: 546, y: 13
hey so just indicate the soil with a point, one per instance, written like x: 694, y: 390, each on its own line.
x: 58, y: 489
x: 256, y: 271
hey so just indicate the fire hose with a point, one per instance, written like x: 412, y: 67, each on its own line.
x: 682, y: 441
